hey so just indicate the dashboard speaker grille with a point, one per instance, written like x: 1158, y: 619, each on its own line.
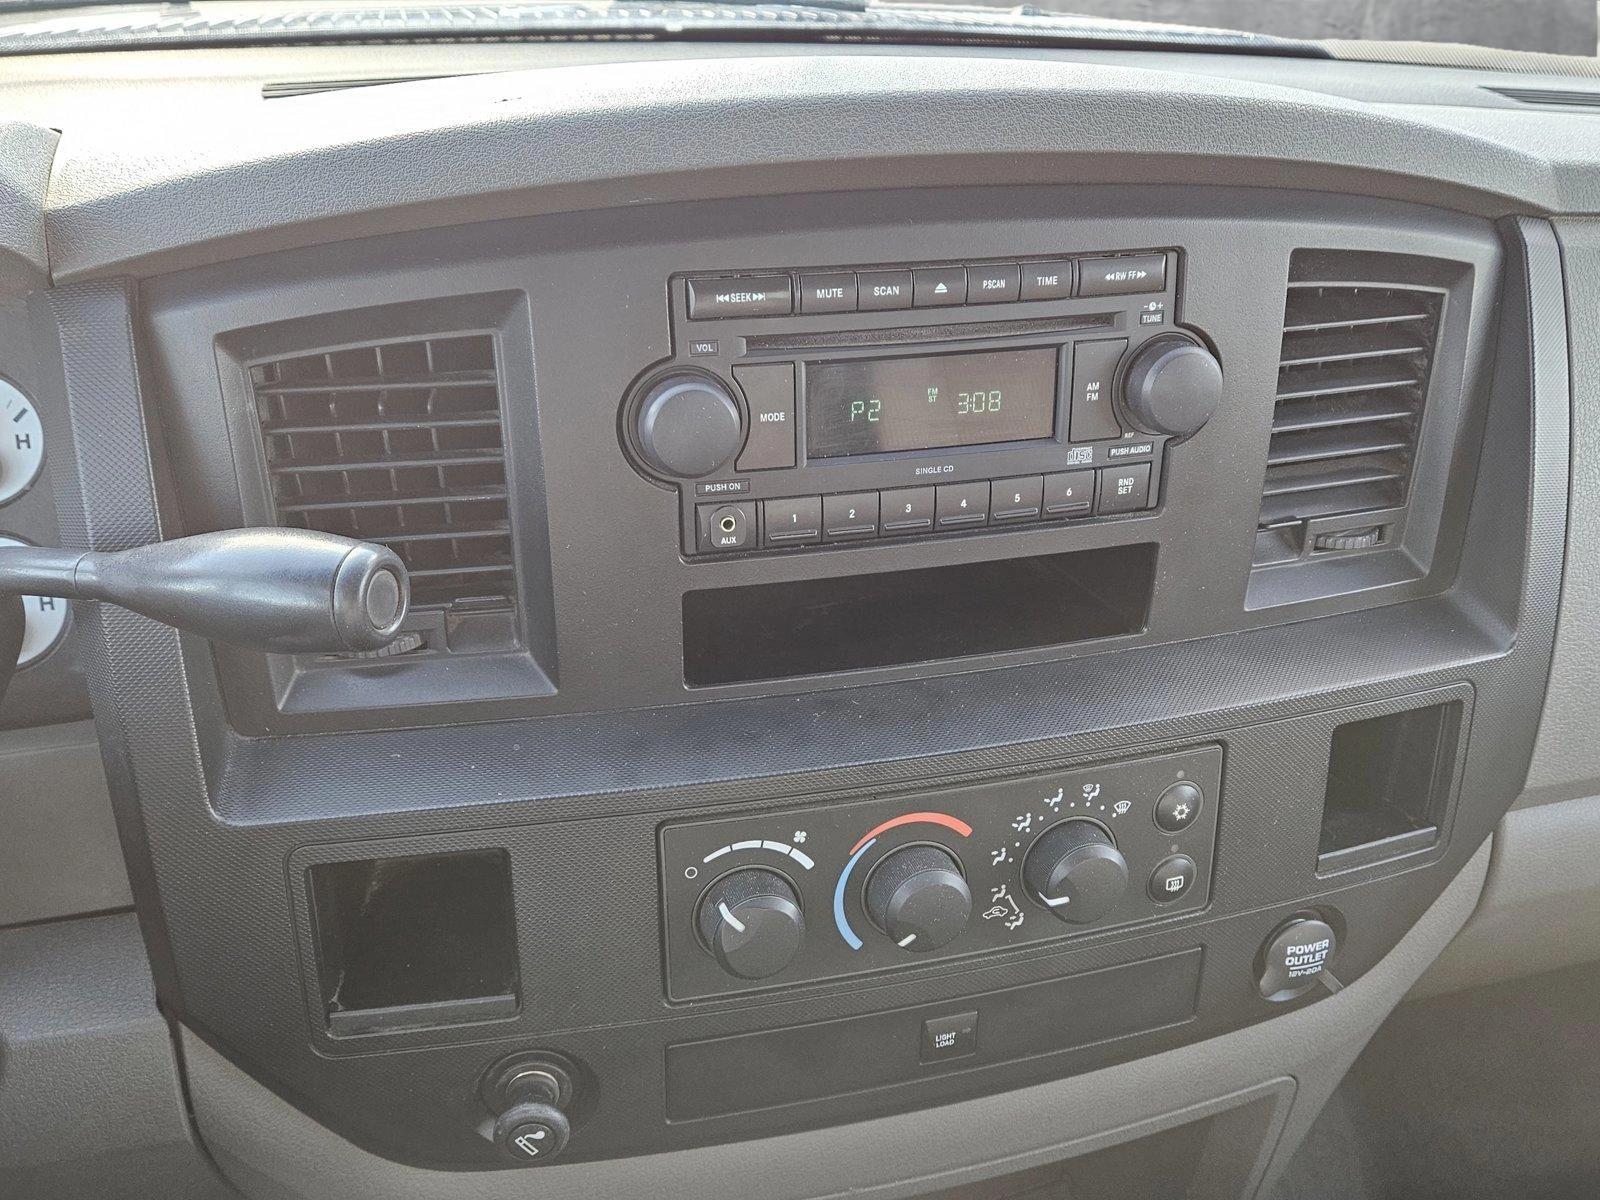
x: 398, y: 443
x: 1352, y: 380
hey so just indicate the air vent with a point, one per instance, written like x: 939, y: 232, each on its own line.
x: 1549, y: 97
x: 287, y: 89
x: 398, y: 443
x: 1352, y: 378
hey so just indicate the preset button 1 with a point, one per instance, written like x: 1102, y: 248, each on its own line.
x: 792, y: 522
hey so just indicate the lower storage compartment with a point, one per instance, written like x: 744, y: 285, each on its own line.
x: 816, y: 626
x: 752, y: 1071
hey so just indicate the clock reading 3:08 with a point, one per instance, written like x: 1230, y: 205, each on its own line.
x: 869, y: 406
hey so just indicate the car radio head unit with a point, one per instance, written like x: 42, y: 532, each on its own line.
x: 803, y: 408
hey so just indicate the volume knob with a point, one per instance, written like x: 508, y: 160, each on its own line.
x: 1076, y: 871
x: 687, y: 426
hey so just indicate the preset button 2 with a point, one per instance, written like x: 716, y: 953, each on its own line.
x: 854, y: 515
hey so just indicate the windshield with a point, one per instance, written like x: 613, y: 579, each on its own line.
x: 1401, y: 30
x: 1546, y: 26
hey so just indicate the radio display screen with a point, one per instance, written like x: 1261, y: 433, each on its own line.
x: 868, y: 406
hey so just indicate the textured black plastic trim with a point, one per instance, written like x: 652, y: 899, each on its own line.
x: 212, y: 819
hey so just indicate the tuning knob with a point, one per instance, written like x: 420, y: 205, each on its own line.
x: 918, y: 896
x: 751, y: 921
x: 687, y: 426
x: 1172, y: 386
x: 1075, y: 870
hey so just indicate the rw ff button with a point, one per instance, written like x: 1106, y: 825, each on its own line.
x: 945, y: 1038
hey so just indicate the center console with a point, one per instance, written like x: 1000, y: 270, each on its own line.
x: 858, y: 664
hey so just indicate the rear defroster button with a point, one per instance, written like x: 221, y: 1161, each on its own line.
x: 1172, y: 878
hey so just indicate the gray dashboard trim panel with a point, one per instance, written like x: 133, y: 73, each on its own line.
x: 26, y: 152
x: 91, y: 1102
x: 59, y: 855
x: 1566, y: 760
x: 447, y: 151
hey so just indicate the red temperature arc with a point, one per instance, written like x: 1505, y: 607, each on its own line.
x: 916, y: 818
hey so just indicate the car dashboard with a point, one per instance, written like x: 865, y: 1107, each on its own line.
x: 974, y: 610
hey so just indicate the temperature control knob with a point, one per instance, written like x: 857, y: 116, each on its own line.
x: 687, y: 426
x: 1172, y: 386
x: 751, y: 921
x: 918, y: 896
x: 1076, y: 871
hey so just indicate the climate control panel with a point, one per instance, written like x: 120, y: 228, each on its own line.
x: 777, y: 898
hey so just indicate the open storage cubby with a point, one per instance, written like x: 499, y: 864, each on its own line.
x: 416, y: 941
x: 1389, y: 780
x: 817, y: 626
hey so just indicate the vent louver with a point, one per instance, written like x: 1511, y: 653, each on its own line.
x: 398, y: 443
x: 1550, y: 97
x: 1352, y: 379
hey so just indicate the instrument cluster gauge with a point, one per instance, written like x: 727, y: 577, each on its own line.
x: 46, y: 620
x: 21, y: 442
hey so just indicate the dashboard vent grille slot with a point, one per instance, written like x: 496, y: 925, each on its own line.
x: 1550, y: 97
x: 1352, y: 378
x: 398, y: 443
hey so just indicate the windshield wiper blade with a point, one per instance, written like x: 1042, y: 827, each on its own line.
x: 237, y: 24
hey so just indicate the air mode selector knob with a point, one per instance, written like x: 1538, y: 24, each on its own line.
x: 1075, y: 870
x: 751, y: 922
x: 919, y: 897
x: 1172, y: 385
x: 687, y: 426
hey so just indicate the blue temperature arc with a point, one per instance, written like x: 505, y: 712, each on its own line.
x: 848, y: 934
